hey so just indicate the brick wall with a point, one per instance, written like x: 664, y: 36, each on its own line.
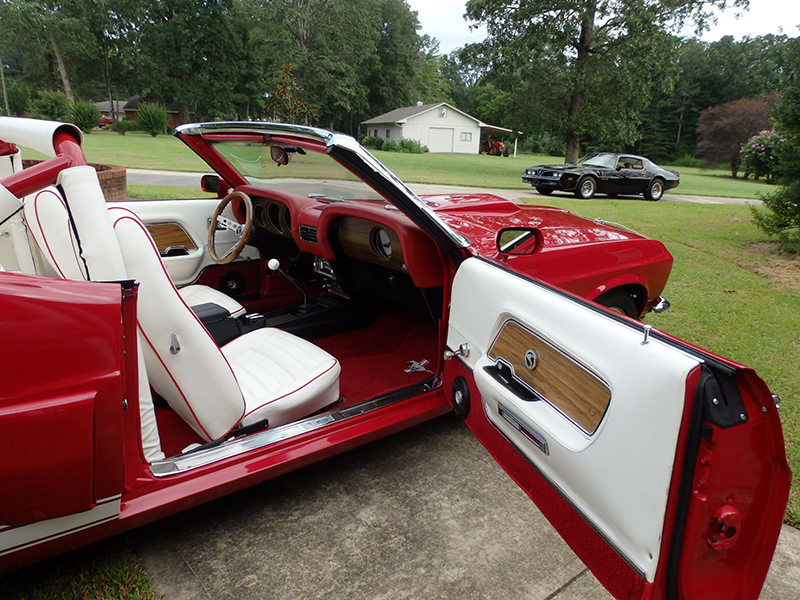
x: 113, y: 180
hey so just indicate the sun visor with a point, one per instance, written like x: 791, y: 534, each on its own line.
x: 35, y: 134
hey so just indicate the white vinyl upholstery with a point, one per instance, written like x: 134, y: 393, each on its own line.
x: 85, y: 197
x: 264, y: 374
x: 49, y: 224
x: 195, y: 295
x: 283, y: 378
x: 15, y: 249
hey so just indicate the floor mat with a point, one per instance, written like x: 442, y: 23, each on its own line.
x: 377, y: 359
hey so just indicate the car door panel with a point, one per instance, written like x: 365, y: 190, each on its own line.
x: 612, y: 463
x: 174, y: 223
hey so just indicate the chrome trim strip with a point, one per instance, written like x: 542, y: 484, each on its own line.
x: 237, y: 446
x: 535, y: 438
x: 14, y: 539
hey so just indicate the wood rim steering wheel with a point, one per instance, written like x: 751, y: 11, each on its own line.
x: 242, y: 230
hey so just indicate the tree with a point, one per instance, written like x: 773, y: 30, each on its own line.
x: 197, y: 53
x: 588, y: 65
x: 287, y: 102
x: 782, y: 217
x: 725, y: 128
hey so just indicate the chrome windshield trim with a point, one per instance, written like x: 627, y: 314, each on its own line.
x: 338, y: 140
x: 187, y: 461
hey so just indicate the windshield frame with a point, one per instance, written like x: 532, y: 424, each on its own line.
x: 342, y: 148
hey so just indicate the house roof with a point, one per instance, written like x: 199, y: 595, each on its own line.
x: 133, y: 105
x: 106, y: 106
x: 401, y: 116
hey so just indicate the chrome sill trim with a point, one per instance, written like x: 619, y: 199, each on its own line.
x: 182, y: 463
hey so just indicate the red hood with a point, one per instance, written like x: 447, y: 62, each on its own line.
x: 480, y: 216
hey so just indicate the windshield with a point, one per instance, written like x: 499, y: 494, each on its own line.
x: 306, y: 172
x: 599, y: 160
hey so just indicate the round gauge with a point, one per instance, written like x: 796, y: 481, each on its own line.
x: 287, y: 218
x: 274, y: 216
x: 260, y: 214
x: 381, y: 243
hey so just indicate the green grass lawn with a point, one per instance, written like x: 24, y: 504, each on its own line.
x: 140, y: 151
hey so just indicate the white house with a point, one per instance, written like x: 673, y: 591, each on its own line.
x: 440, y: 127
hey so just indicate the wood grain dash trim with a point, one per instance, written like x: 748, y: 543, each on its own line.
x: 170, y: 234
x: 562, y: 381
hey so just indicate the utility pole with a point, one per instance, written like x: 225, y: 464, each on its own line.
x: 3, y: 80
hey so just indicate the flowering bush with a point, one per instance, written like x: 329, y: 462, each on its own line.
x: 761, y: 154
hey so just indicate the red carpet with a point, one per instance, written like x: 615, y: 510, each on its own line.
x: 374, y: 359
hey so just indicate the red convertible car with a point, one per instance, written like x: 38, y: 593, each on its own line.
x: 160, y: 354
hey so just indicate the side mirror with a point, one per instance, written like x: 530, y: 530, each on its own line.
x: 210, y: 183
x: 518, y: 240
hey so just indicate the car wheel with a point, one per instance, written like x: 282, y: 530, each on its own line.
x: 619, y: 301
x: 654, y: 191
x: 587, y: 186
x: 544, y: 190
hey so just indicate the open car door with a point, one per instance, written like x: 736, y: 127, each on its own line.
x: 663, y: 467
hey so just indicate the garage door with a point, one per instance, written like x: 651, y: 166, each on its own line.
x: 440, y: 140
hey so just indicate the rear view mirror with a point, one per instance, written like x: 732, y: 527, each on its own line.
x: 279, y: 155
x: 210, y: 183
x: 518, y: 240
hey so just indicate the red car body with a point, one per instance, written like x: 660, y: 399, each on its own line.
x: 661, y: 489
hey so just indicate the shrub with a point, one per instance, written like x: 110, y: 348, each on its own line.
x: 688, y: 160
x: 761, y: 155
x: 19, y: 98
x: 124, y: 125
x: 85, y: 115
x: 390, y: 146
x: 152, y: 118
x: 51, y: 106
x: 412, y: 147
x: 374, y: 143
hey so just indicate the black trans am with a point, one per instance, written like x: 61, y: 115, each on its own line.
x: 604, y: 173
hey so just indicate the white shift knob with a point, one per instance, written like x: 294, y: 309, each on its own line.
x: 274, y: 264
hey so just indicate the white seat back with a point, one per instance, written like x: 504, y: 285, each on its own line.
x: 81, y: 257
x: 184, y: 364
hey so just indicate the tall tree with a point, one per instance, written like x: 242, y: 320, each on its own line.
x: 725, y: 128
x: 589, y: 64
x: 197, y: 53
x: 43, y: 32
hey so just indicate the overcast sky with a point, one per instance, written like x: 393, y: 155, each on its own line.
x: 444, y: 20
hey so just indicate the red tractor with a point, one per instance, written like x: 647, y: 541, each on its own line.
x: 494, y: 148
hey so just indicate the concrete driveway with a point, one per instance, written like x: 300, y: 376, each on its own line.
x: 424, y: 514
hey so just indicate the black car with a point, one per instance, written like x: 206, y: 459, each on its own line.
x: 604, y: 173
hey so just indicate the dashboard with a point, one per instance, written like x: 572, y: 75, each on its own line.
x: 342, y: 232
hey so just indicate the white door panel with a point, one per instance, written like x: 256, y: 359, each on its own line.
x: 193, y: 216
x: 617, y: 477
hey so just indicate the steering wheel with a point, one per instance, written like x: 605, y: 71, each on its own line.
x: 242, y: 230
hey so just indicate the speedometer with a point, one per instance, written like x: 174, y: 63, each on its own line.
x: 381, y: 243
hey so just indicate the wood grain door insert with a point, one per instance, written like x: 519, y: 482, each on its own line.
x: 168, y: 235
x: 578, y: 393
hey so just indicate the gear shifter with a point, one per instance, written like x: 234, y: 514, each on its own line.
x: 275, y: 265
